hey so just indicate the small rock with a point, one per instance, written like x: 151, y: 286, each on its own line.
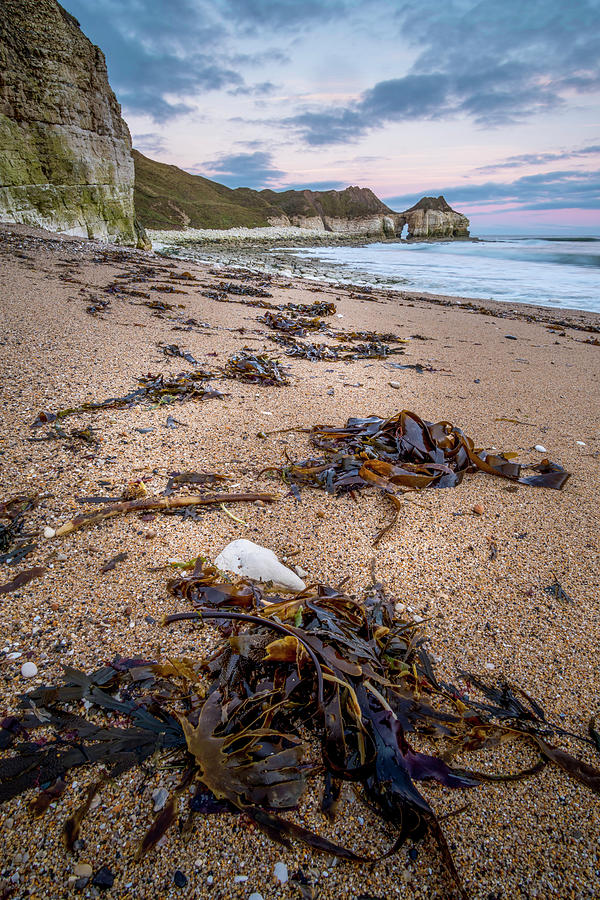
x: 331, y: 392
x: 240, y: 879
x: 83, y: 870
x: 160, y: 797
x: 81, y: 883
x: 580, y: 443
x: 150, y: 534
x: 245, y: 558
x: 49, y: 532
x: 280, y: 872
x: 490, y: 666
x: 180, y: 879
x: 95, y: 802
x: 395, y: 384
x: 510, y: 337
x: 479, y: 509
x: 540, y: 448
x: 210, y: 879
x: 255, y: 896
x: 103, y: 878
x: 29, y: 670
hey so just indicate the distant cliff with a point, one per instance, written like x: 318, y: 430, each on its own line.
x: 65, y: 151
x: 432, y: 217
x: 167, y: 197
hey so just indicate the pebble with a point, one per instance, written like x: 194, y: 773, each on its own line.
x: 280, y: 872
x: 180, y: 879
x: 255, y: 896
x: 580, y: 443
x: 540, y: 448
x: 49, y: 532
x: 479, y: 509
x: 240, y: 879
x: 29, y: 670
x: 510, y: 337
x: 83, y: 870
x: 210, y: 879
x: 160, y: 797
x: 103, y: 878
x: 490, y: 666
x: 395, y: 384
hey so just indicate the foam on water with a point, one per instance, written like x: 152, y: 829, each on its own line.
x: 560, y: 272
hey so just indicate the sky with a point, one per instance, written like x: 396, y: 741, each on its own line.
x: 493, y: 103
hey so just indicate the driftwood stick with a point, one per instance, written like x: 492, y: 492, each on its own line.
x: 157, y: 503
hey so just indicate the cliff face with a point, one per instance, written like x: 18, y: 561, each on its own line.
x: 354, y: 210
x: 65, y: 151
x: 432, y: 217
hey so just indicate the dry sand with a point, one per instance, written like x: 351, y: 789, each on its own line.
x: 537, y: 838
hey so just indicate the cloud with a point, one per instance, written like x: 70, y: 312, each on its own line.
x: 317, y: 186
x: 159, y: 54
x: 150, y: 142
x: 261, y: 15
x: 255, y: 170
x: 548, y: 190
x: 263, y: 89
x: 494, y: 63
x: 540, y: 159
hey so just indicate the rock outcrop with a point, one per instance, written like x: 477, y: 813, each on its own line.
x: 65, y: 151
x: 353, y: 211
x: 432, y: 217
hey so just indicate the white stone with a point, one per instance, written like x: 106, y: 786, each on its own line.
x: 580, y: 443
x: 255, y: 896
x: 49, y: 532
x: 29, y: 670
x: 160, y: 797
x: 240, y: 879
x: 395, y: 384
x: 540, y: 449
x: 252, y: 561
x: 280, y: 871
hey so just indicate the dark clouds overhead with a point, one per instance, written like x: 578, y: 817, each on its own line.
x: 493, y: 62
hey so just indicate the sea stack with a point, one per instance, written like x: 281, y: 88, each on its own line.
x: 65, y: 151
x: 433, y: 217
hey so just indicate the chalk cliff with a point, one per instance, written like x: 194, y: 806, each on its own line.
x: 65, y: 151
x: 432, y: 217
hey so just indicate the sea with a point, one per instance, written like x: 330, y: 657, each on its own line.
x: 562, y: 272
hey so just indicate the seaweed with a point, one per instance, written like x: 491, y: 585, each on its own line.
x: 176, y: 351
x: 375, y: 349
x: 22, y: 579
x: 321, y: 685
x: 13, y: 541
x: 152, y: 389
x: 298, y: 325
x: 403, y: 453
x: 254, y: 369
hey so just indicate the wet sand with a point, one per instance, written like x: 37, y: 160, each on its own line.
x: 536, y: 838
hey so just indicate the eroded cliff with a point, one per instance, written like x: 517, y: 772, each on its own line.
x: 65, y: 151
x: 433, y: 217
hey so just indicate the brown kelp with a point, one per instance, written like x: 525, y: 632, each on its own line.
x: 403, y: 453
x: 244, y: 365
x: 323, y: 687
x: 152, y: 389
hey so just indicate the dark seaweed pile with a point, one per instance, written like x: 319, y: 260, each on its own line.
x: 347, y: 674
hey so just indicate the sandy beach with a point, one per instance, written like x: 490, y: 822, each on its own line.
x: 512, y: 377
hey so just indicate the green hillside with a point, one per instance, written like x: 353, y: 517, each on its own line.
x: 168, y: 197
x: 351, y: 203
